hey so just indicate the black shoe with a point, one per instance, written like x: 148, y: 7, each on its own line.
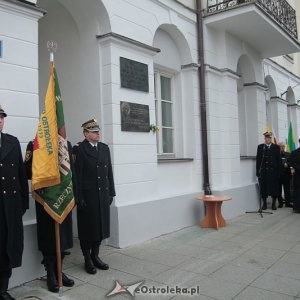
x: 280, y: 205
x: 264, y: 206
x: 52, y: 285
x: 88, y: 264
x: 274, y: 206
x: 66, y: 252
x: 67, y: 281
x: 288, y: 205
x: 6, y: 296
x: 89, y: 267
x: 98, y: 263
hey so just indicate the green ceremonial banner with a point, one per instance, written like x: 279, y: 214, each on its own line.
x: 57, y: 199
x: 291, y: 146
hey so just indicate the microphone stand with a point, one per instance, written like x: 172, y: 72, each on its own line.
x: 260, y: 211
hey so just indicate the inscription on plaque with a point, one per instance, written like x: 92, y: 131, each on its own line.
x: 134, y: 75
x: 134, y: 117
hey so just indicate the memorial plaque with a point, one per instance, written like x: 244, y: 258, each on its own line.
x: 134, y: 75
x: 134, y: 117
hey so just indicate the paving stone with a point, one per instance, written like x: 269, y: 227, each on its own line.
x: 252, y: 258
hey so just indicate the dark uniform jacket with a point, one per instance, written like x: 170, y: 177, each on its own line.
x: 96, y: 187
x: 45, y: 224
x: 14, y: 199
x: 286, y: 171
x: 268, y: 169
x: 295, y: 163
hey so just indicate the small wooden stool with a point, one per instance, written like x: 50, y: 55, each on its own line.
x: 213, y: 217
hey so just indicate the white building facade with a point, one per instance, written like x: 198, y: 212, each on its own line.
x: 158, y: 175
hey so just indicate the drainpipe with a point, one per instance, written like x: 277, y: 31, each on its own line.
x: 201, y: 73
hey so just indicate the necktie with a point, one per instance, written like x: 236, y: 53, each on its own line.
x: 95, y: 147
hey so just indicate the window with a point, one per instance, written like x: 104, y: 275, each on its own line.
x: 164, y: 106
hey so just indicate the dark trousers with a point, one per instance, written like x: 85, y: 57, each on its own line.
x: 5, y: 274
x: 5, y: 268
x: 296, y: 204
x: 50, y: 257
x: 88, y: 245
x: 285, y: 183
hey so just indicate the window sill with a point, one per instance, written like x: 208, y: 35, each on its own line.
x: 173, y: 160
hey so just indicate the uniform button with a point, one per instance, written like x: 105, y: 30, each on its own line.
x: 99, y: 177
x: 14, y: 178
x: 1, y: 165
x: 4, y: 192
x: 3, y: 178
x: 99, y: 189
x: 97, y: 166
x: 106, y: 176
x: 105, y: 166
x: 15, y: 192
x: 107, y: 188
x: 12, y: 165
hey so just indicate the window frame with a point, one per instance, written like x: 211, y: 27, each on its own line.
x: 158, y: 113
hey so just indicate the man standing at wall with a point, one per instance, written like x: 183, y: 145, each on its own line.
x: 46, y: 230
x: 285, y: 177
x: 14, y: 201
x: 96, y: 189
x: 268, y: 170
x: 295, y: 162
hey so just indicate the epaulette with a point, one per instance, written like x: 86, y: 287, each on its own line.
x: 9, y: 135
x: 103, y: 144
x: 73, y: 154
x: 29, y: 150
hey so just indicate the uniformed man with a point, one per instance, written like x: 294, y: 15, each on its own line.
x: 285, y: 177
x: 46, y: 230
x: 268, y: 169
x: 295, y: 163
x: 95, y: 194
x: 14, y: 201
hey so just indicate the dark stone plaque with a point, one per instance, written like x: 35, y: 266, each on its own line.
x: 134, y: 117
x: 134, y: 75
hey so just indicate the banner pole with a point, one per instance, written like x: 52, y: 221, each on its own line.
x: 52, y: 47
x: 58, y: 257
